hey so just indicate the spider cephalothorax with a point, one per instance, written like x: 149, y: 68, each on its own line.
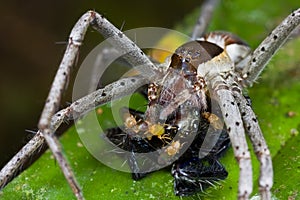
x: 181, y: 79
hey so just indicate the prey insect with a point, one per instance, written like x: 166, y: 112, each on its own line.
x: 191, y: 173
x: 219, y: 65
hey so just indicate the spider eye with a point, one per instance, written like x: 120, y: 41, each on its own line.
x: 187, y: 60
x: 196, y: 55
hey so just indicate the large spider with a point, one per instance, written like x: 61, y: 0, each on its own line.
x: 218, y: 64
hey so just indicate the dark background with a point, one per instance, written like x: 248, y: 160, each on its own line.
x: 31, y: 48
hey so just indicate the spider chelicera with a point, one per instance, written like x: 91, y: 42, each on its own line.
x: 218, y: 65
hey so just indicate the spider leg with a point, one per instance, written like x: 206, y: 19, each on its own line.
x: 236, y: 132
x: 53, y: 100
x: 265, y: 51
x: 133, y: 55
x: 104, y: 57
x: 204, y: 19
x: 259, y: 144
x: 77, y: 109
x: 12, y: 168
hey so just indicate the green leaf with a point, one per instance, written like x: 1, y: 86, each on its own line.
x: 275, y: 100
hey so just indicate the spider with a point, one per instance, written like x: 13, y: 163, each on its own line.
x: 227, y: 68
